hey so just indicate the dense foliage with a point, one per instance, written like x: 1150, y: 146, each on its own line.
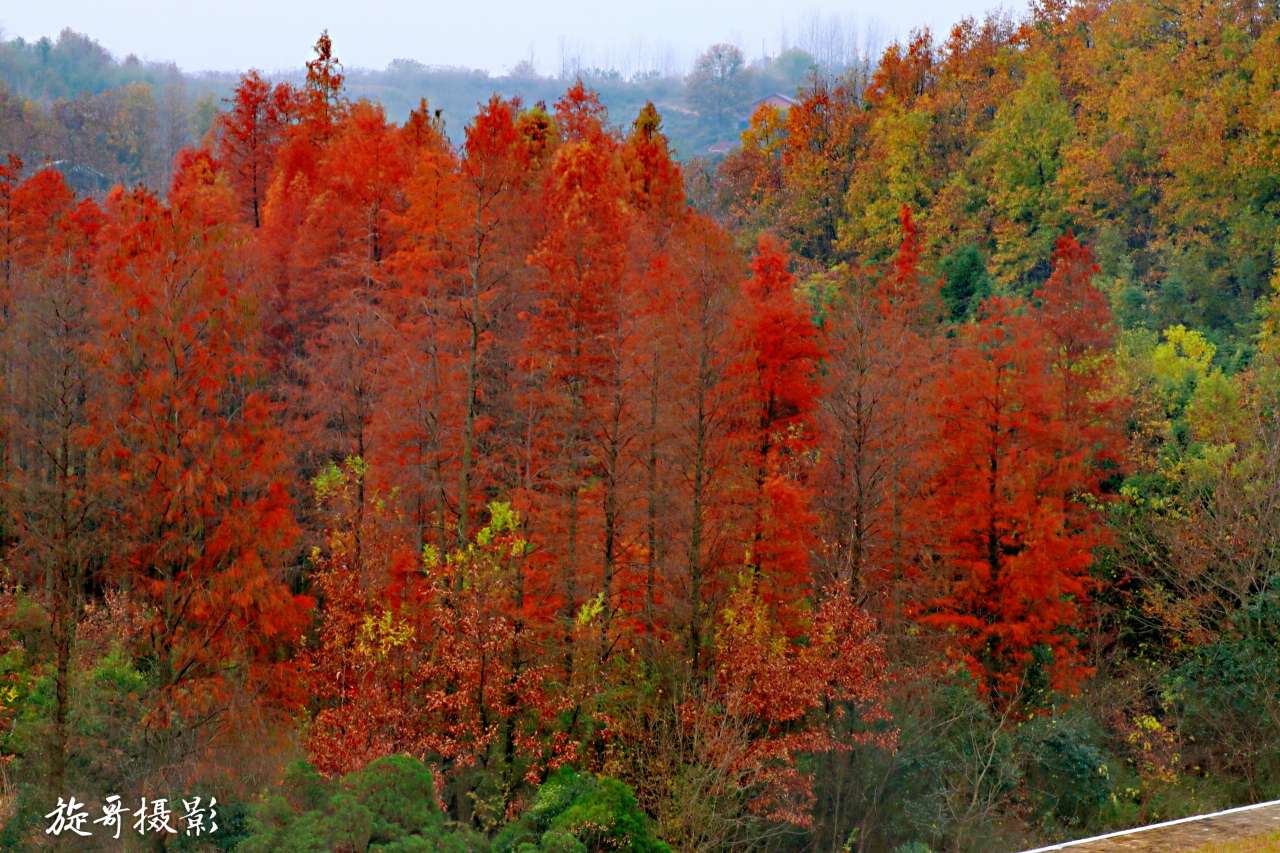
x: 908, y: 480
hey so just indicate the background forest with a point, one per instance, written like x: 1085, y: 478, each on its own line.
x: 68, y: 100
x: 905, y: 479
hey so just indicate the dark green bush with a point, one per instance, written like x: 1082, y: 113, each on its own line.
x: 580, y: 812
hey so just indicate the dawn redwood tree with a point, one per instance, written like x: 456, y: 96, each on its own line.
x: 778, y: 350
x: 339, y: 262
x: 882, y: 347
x: 467, y: 231
x: 12, y: 215
x: 497, y: 172
x: 248, y: 136
x: 640, y: 351
x: 417, y: 422
x: 655, y: 280
x: 577, y: 351
x: 10, y: 173
x: 350, y: 223
x: 703, y: 455
x: 1009, y: 557
x: 191, y: 459
x: 323, y: 100
x: 55, y: 517
x: 657, y: 186
x: 11, y: 239
x: 1077, y: 318
x: 297, y: 309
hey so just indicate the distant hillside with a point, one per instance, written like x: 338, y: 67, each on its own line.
x: 71, y: 100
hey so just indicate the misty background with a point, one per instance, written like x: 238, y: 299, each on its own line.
x: 657, y: 35
x: 109, y: 91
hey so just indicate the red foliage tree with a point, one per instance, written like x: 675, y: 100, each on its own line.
x: 576, y: 348
x: 191, y: 456
x: 653, y: 287
x: 1075, y: 313
x: 54, y: 516
x: 10, y: 172
x: 468, y: 229
x: 904, y: 73
x: 707, y: 552
x: 882, y: 351
x: 431, y: 654
x: 338, y: 263
x: 248, y: 136
x: 777, y: 365
x: 298, y: 311
x: 1012, y: 554
x: 1077, y: 318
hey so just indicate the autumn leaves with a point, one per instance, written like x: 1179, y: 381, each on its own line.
x: 501, y: 455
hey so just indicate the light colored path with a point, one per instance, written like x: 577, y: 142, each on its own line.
x: 1185, y: 834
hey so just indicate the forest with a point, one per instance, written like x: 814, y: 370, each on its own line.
x: 69, y: 101
x: 906, y: 479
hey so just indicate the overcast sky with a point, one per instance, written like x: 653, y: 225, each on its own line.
x: 490, y: 34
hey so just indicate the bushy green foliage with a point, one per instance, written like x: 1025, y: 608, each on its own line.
x: 1067, y: 771
x: 966, y: 776
x: 913, y: 847
x: 965, y: 282
x: 71, y: 65
x: 579, y: 812
x: 389, y: 805
x: 950, y: 784
x: 1226, y: 696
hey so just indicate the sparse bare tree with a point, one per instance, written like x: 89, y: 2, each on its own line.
x: 716, y: 85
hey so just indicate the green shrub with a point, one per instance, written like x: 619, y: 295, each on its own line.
x: 389, y: 806
x: 1067, y: 771
x: 579, y: 812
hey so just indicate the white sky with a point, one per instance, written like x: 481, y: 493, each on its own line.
x: 490, y: 34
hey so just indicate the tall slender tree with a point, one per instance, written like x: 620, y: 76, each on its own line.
x: 191, y: 458
x: 778, y: 352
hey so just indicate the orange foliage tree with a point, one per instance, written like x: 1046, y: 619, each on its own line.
x: 777, y: 363
x: 249, y: 134
x: 1011, y: 506
x: 191, y: 454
